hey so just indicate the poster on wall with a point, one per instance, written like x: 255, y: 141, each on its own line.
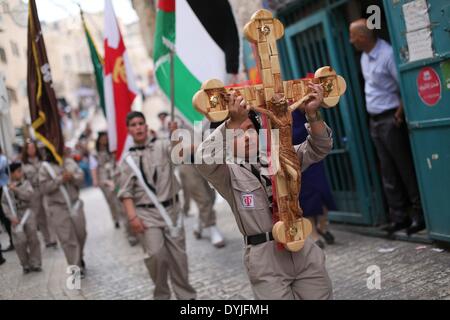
x: 416, y: 15
x: 418, y: 30
x: 419, y: 44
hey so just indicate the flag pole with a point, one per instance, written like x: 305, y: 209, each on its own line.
x: 172, y: 112
x: 171, y: 48
x: 172, y: 86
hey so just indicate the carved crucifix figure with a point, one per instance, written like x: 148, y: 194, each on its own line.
x: 276, y: 99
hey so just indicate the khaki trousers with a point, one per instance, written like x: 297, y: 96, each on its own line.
x: 71, y: 231
x: 43, y: 223
x: 27, y: 245
x: 201, y: 192
x: 167, y: 258
x: 282, y: 275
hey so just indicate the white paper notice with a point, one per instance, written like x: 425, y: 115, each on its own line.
x: 419, y: 44
x: 416, y: 15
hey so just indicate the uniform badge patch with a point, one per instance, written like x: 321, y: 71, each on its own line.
x: 248, y: 200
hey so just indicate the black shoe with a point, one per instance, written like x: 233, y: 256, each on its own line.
x: 51, y: 245
x: 396, y: 226
x: 416, y: 226
x: 197, y: 234
x: 2, y: 260
x: 26, y: 270
x: 117, y: 225
x: 327, y: 236
x: 10, y: 248
x: 320, y: 244
x: 36, y: 269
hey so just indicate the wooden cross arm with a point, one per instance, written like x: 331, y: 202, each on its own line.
x: 209, y: 99
x: 334, y: 86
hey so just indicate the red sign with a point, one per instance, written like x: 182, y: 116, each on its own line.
x: 429, y: 86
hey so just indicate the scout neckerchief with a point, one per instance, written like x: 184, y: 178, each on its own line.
x: 12, y: 207
x: 174, y: 229
x: 73, y: 209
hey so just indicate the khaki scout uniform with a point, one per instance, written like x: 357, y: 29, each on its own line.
x: 201, y: 192
x: 185, y: 187
x: 273, y: 273
x: 166, y: 254
x: 31, y: 171
x: 105, y: 171
x: 71, y: 231
x: 26, y: 243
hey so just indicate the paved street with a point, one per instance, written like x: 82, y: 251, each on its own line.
x: 116, y: 270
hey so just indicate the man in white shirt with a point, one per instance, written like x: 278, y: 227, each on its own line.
x: 388, y: 129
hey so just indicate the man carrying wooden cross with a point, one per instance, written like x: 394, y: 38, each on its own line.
x: 297, y: 271
x: 274, y: 273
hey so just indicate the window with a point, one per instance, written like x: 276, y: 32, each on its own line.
x: 15, y: 49
x: 3, y: 55
x: 12, y: 95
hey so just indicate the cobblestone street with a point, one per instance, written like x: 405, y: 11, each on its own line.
x: 116, y: 271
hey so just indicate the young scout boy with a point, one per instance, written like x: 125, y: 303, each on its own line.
x: 147, y: 189
x: 274, y: 273
x: 16, y: 205
x: 61, y: 185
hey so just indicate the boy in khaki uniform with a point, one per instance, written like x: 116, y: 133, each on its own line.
x: 204, y: 196
x: 106, y: 175
x: 274, y: 273
x: 166, y: 251
x: 61, y: 185
x: 31, y: 162
x: 16, y: 205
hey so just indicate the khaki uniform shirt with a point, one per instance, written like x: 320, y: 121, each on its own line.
x: 50, y: 186
x: 20, y: 198
x: 154, y: 157
x: 31, y: 172
x: 107, y: 169
x: 243, y: 191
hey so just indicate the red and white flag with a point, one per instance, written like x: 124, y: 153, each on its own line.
x: 119, y: 84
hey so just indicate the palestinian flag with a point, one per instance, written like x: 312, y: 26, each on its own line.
x: 206, y: 43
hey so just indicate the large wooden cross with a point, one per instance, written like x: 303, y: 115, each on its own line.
x: 276, y: 99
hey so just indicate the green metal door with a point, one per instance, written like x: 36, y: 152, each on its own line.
x: 425, y: 88
x: 318, y: 40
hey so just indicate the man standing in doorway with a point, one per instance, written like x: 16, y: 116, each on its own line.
x: 388, y: 129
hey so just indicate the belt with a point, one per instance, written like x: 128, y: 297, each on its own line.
x: 258, y: 238
x: 165, y: 204
x: 383, y: 114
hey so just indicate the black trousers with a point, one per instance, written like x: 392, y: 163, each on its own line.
x: 397, y: 168
x: 4, y: 220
